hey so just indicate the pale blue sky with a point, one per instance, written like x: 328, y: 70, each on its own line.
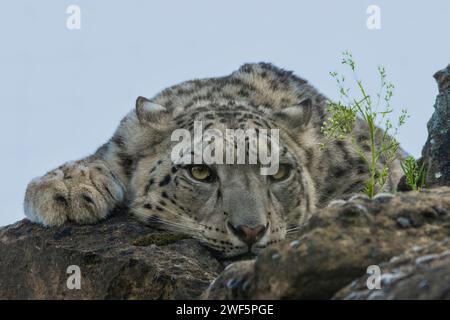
x: 63, y: 92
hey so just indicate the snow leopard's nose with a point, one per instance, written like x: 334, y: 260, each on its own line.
x: 248, y: 235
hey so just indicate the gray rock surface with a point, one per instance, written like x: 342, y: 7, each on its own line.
x: 436, y: 152
x: 118, y: 259
x: 423, y: 272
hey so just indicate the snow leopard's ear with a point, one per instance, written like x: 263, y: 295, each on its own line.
x: 298, y: 116
x: 148, y: 111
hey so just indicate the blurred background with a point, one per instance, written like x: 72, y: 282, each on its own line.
x: 63, y: 91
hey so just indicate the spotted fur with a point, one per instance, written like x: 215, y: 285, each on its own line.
x: 134, y: 168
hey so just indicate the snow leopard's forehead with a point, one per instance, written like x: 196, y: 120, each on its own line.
x: 252, y: 86
x: 226, y: 114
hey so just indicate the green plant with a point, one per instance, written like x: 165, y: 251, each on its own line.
x: 415, y: 174
x: 341, y: 120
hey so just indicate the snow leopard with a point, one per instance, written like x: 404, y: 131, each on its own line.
x: 232, y: 209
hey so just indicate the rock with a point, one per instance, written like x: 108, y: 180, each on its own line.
x: 436, y: 152
x: 337, y: 246
x: 421, y: 273
x: 119, y: 258
x: 403, y: 186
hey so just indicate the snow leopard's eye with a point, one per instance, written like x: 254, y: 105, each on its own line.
x: 202, y: 173
x: 283, y: 172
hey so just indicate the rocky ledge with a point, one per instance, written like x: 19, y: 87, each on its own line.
x: 407, y: 235
x: 118, y: 259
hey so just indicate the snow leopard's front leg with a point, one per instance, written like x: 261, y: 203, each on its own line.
x: 86, y: 190
x: 83, y: 191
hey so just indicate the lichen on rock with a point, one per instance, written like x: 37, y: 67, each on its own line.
x: 422, y: 272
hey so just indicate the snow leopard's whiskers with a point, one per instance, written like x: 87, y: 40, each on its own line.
x: 179, y: 226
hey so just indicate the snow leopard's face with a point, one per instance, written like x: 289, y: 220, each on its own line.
x: 231, y: 208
